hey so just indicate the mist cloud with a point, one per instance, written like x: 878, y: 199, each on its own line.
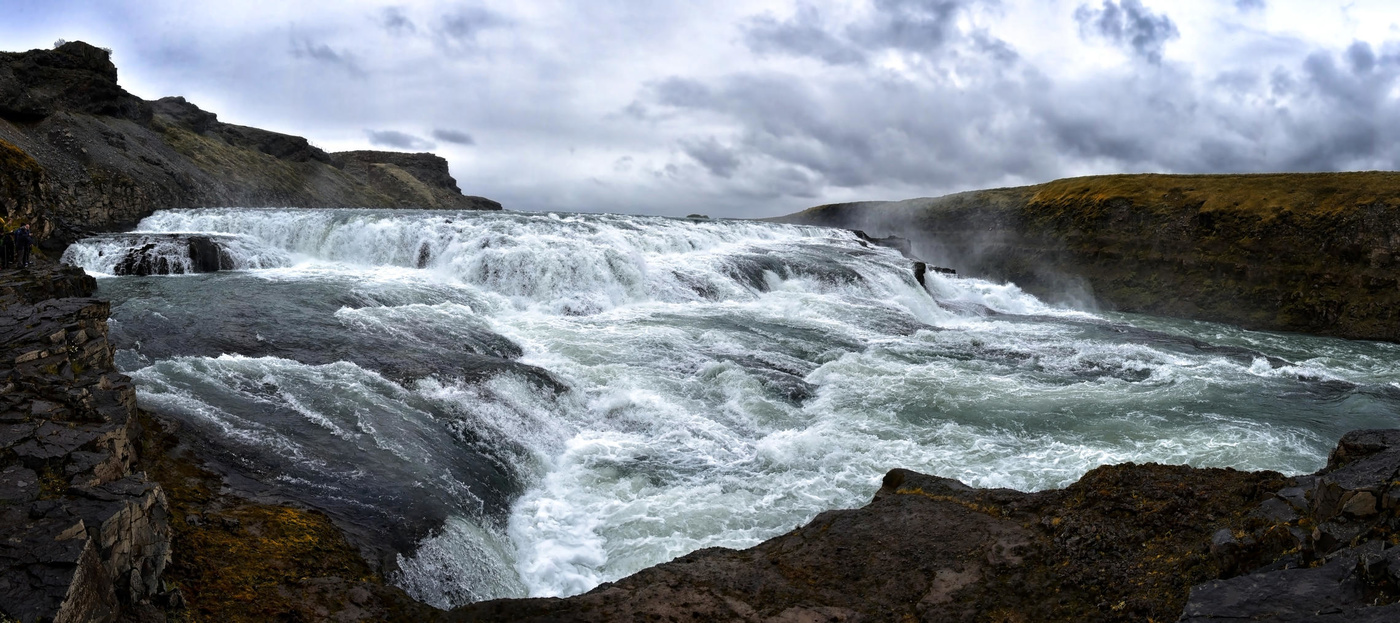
x: 397, y: 140
x: 453, y: 136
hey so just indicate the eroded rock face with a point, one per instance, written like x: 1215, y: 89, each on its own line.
x: 75, y: 76
x: 201, y: 254
x: 82, y: 538
x: 80, y: 155
x: 395, y: 174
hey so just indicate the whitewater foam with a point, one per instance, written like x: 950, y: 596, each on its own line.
x: 651, y: 386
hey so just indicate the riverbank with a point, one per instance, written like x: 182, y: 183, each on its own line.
x: 107, y: 512
x: 1311, y: 252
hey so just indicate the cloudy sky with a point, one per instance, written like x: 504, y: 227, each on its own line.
x: 769, y: 106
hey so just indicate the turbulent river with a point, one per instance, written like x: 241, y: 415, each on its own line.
x: 533, y: 404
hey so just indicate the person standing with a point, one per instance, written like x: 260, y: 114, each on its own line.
x: 7, y: 248
x: 22, y: 243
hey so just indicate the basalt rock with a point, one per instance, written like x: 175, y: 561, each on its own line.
x: 1312, y: 253
x: 82, y: 536
x: 196, y: 254
x: 417, y: 180
x: 87, y: 535
x: 74, y: 77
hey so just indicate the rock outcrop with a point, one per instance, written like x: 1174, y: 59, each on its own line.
x: 1314, y: 253
x: 81, y: 155
x: 416, y: 180
x: 82, y: 536
x: 75, y: 77
x: 1125, y: 543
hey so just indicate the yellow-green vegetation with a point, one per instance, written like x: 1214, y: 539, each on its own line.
x: 19, y: 179
x: 15, y: 159
x: 1262, y: 196
x: 236, y: 560
x: 51, y: 483
x: 985, y: 509
x: 405, y: 187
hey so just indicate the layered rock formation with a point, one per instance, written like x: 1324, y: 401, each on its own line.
x: 80, y: 155
x: 82, y: 536
x: 1315, y: 253
x: 1125, y: 543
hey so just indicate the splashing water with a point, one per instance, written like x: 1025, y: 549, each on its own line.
x: 532, y: 404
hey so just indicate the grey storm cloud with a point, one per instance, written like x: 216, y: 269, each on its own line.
x: 1009, y: 120
x: 398, y: 140
x: 719, y: 160
x: 320, y: 52
x: 730, y: 110
x: 920, y: 27
x: 1130, y: 24
x: 803, y: 35
x: 463, y: 25
x: 455, y: 137
x: 395, y: 20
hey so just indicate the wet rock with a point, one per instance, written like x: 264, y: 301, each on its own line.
x: 18, y: 485
x: 1287, y: 595
x: 935, y: 549
x: 902, y: 245
x: 207, y: 256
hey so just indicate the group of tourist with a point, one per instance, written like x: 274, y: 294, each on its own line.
x: 14, y: 246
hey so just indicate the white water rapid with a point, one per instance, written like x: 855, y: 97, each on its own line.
x: 541, y: 403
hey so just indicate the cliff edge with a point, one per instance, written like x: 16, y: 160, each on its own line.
x: 81, y: 155
x: 1314, y: 253
x: 1126, y: 543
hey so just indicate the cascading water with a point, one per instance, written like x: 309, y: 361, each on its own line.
x: 532, y: 404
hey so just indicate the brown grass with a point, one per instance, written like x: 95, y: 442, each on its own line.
x: 1258, y: 195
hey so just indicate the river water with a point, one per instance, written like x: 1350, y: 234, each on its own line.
x: 533, y: 404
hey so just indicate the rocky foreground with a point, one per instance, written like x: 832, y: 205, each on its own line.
x: 1312, y: 253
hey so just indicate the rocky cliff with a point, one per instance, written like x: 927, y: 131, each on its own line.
x: 80, y: 154
x: 1315, y: 253
x: 85, y: 536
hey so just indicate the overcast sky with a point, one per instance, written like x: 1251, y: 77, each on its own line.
x: 770, y: 106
